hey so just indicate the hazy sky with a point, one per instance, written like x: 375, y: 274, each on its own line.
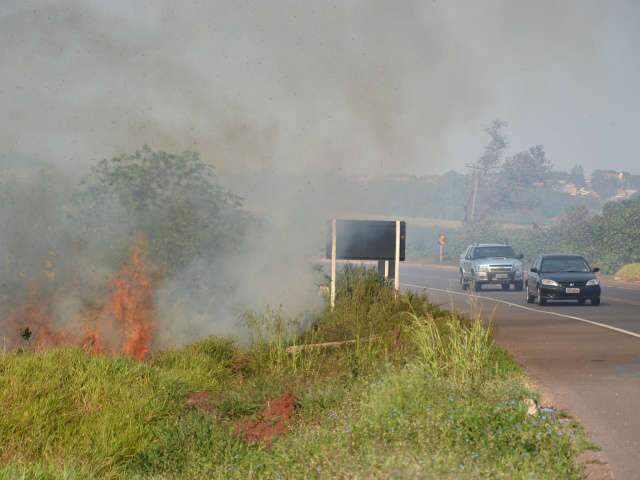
x: 360, y: 86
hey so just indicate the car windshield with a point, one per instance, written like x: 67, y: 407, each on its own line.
x: 564, y: 264
x: 493, y: 252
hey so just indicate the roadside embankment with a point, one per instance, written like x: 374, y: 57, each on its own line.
x: 406, y: 390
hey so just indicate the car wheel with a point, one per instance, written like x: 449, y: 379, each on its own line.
x: 540, y: 299
x: 505, y: 286
x: 477, y: 286
x: 463, y: 284
x: 582, y: 301
x: 595, y: 301
x: 519, y: 286
x: 530, y: 298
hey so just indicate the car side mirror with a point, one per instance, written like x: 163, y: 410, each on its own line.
x: 596, y: 270
x: 534, y: 269
x: 520, y: 256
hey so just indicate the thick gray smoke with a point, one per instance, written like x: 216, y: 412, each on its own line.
x: 360, y: 86
x: 315, y: 88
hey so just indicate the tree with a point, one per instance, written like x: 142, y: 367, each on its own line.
x: 526, y: 168
x: 174, y: 200
x: 486, y: 164
x: 494, y: 150
x: 605, y: 183
x: 576, y: 176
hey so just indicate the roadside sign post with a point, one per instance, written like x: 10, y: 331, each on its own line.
x: 441, y: 242
x: 333, y: 264
x: 383, y: 268
x: 397, y: 269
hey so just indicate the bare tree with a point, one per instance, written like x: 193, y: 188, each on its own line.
x: 490, y: 160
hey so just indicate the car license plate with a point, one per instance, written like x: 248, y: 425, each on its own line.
x: 573, y: 290
x: 502, y: 275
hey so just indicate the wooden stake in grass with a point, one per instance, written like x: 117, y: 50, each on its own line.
x: 313, y: 346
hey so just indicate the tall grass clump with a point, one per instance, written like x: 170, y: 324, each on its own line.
x: 457, y: 349
x: 204, y: 365
x: 272, y: 332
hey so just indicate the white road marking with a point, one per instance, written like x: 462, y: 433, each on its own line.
x: 556, y: 314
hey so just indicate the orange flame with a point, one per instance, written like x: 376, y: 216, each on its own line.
x: 132, y: 302
x: 124, y: 325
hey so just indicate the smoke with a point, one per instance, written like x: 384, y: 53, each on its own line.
x: 316, y: 88
x: 358, y: 86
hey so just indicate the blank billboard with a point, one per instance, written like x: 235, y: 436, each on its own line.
x: 366, y: 240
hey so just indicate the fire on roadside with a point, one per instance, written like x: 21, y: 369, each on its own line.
x: 122, y: 324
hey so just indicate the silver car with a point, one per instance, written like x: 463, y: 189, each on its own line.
x: 490, y: 263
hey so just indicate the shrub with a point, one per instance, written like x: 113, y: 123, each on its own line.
x: 630, y: 272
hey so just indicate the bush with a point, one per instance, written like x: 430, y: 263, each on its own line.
x: 630, y: 273
x: 174, y: 200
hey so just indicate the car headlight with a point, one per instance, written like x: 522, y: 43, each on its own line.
x: 550, y: 283
x: 593, y: 282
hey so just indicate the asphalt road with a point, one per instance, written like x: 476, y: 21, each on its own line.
x: 584, y: 359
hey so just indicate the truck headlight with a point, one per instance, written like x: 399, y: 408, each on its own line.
x: 550, y: 283
x: 593, y: 282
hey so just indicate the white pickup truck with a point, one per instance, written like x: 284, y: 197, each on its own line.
x: 491, y: 263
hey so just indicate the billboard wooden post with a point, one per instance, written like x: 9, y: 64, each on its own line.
x: 383, y: 268
x: 397, y: 269
x: 333, y: 264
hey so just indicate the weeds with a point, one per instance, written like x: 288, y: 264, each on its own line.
x: 457, y: 349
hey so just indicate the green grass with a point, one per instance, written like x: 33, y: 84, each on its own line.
x: 420, y: 394
x: 630, y: 272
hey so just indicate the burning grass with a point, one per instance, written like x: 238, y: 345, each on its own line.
x: 419, y: 394
x: 123, y: 324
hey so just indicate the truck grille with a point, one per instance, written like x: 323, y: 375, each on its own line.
x: 500, y: 268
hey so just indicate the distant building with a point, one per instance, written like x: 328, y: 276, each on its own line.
x: 570, y: 188
x: 624, y: 194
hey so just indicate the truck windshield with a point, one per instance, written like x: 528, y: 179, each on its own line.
x: 493, y: 252
x: 564, y: 264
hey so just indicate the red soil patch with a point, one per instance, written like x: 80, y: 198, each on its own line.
x: 202, y: 401
x: 271, y: 422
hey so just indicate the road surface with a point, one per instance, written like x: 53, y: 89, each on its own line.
x: 585, y: 359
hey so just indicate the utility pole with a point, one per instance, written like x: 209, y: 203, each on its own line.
x: 474, y: 196
x: 471, y: 207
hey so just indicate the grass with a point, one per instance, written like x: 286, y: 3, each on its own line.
x: 630, y: 272
x: 420, y: 394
